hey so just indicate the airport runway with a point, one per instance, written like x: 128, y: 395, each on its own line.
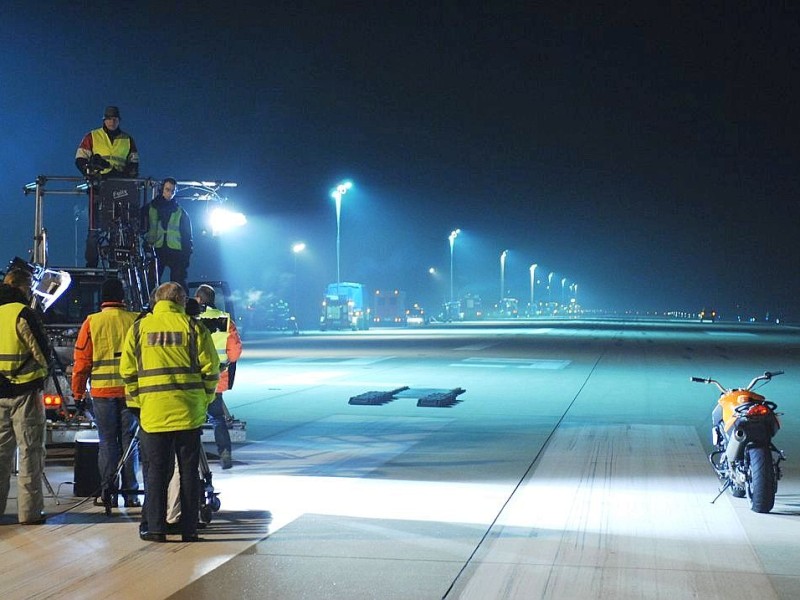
x: 573, y: 465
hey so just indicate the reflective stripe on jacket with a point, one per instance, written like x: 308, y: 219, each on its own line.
x: 17, y: 360
x: 98, y: 349
x: 157, y: 235
x: 170, y: 369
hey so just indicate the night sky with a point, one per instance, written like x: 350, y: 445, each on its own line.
x: 647, y: 151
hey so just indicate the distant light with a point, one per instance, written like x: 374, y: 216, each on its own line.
x: 432, y: 270
x: 298, y: 247
x: 341, y: 190
x: 222, y: 220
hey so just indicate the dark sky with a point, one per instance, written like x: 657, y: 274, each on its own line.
x: 646, y: 151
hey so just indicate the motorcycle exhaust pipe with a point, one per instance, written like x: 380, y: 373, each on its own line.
x: 735, y: 449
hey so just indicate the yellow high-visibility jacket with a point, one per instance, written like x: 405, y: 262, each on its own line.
x: 226, y: 340
x: 98, y: 349
x: 170, y: 369
x: 158, y: 236
x: 22, y: 360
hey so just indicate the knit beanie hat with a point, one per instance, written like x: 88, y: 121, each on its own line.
x: 112, y: 291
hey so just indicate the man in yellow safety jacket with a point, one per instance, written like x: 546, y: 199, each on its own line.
x: 24, y: 352
x: 96, y: 360
x: 170, y: 369
x: 229, y: 348
x: 108, y: 153
x: 168, y: 230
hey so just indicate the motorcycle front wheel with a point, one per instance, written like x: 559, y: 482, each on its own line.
x: 761, y: 488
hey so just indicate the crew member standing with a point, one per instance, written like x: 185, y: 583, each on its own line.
x: 170, y: 369
x: 106, y: 152
x: 97, y: 353
x: 24, y: 352
x: 169, y: 230
x: 229, y: 348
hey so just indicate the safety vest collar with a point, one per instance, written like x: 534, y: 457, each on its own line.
x: 163, y: 306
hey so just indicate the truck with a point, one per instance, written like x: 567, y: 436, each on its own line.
x: 389, y: 308
x: 343, y: 307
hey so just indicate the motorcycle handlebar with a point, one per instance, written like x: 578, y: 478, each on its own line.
x: 767, y: 376
x: 709, y: 380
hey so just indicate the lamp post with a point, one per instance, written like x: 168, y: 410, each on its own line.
x: 550, y: 287
x: 563, y: 283
x: 503, y: 256
x: 533, y: 279
x: 297, y: 248
x: 337, y: 194
x: 452, y: 237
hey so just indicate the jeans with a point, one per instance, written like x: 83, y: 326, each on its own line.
x: 116, y: 426
x: 216, y: 416
x: 160, y: 450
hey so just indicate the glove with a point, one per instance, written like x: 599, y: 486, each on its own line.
x: 98, y: 162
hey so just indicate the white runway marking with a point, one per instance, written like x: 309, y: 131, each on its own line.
x: 327, y: 360
x: 512, y: 363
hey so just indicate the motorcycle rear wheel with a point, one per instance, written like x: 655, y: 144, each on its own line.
x: 762, y: 485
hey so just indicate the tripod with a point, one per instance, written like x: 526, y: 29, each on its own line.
x: 209, y: 499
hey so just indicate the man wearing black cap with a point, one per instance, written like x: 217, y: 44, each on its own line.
x: 97, y: 354
x: 107, y: 153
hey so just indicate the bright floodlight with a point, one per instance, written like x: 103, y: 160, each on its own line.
x: 341, y: 190
x: 223, y: 220
x: 298, y: 247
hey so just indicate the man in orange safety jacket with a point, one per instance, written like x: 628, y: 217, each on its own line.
x: 97, y: 354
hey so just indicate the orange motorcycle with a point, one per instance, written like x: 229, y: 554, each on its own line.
x: 744, y: 457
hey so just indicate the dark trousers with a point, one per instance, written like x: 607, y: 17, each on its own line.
x: 177, y: 262
x: 116, y: 426
x: 158, y: 462
x: 216, y: 416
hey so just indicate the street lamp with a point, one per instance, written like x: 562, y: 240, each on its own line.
x: 503, y: 256
x: 297, y: 248
x: 337, y: 194
x: 533, y: 279
x: 550, y: 287
x: 452, y: 237
x: 563, y: 283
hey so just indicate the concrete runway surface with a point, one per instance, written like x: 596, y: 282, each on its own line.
x: 572, y: 466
